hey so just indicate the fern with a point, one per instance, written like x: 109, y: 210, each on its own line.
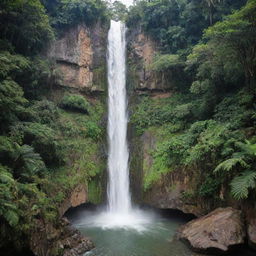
x: 240, y: 185
x: 31, y: 161
x: 229, y: 164
x: 247, y: 148
x: 11, y: 217
x: 5, y: 176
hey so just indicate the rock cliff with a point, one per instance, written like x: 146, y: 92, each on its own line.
x: 169, y: 191
x: 80, y: 56
x: 141, y: 52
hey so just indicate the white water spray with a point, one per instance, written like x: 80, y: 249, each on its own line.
x: 119, y: 199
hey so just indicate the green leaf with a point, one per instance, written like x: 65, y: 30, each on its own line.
x: 11, y: 217
x: 240, y: 185
x: 229, y: 164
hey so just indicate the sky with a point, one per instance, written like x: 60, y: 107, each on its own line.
x: 126, y: 2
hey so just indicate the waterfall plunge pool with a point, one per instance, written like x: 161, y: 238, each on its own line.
x: 142, y: 233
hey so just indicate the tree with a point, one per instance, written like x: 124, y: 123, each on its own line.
x: 238, y: 32
x: 25, y: 25
x: 71, y: 12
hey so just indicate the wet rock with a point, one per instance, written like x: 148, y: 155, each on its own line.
x: 216, y: 233
x: 48, y: 240
x: 77, y: 197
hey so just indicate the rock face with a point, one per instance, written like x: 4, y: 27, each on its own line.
x: 50, y: 240
x: 77, y: 197
x: 216, y: 232
x: 251, y: 228
x: 141, y: 51
x: 168, y: 192
x: 80, y: 55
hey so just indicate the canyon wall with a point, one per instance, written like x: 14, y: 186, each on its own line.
x: 80, y: 55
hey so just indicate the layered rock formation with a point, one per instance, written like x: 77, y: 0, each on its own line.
x: 80, y: 56
x: 141, y: 52
x: 217, y: 232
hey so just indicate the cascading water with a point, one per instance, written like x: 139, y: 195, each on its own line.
x: 119, y: 199
x: 120, y: 228
x: 119, y: 212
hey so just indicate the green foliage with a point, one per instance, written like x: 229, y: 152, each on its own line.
x: 12, y: 65
x: 241, y: 185
x: 11, y: 102
x: 8, y: 209
x: 230, y: 164
x: 7, y: 150
x: 238, y: 32
x: 45, y: 112
x: 95, y: 192
x: 118, y: 11
x: 93, y: 130
x: 166, y: 61
x: 177, y: 25
x: 241, y: 162
x: 42, y: 138
x: 25, y: 25
x: 161, y: 111
x: 75, y: 102
x: 68, y: 13
x: 209, y: 187
x: 27, y: 163
x: 44, y: 151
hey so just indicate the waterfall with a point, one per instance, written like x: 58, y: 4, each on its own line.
x: 119, y: 199
x: 119, y: 212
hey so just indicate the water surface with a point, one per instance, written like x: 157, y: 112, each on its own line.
x: 152, y: 237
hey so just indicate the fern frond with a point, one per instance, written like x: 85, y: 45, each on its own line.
x: 229, y: 164
x: 6, y: 177
x: 240, y: 185
x: 11, y: 217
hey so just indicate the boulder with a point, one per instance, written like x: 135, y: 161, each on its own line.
x: 216, y: 233
x: 251, y: 232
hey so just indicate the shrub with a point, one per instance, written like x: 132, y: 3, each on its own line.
x: 209, y: 187
x: 42, y: 138
x: 45, y: 111
x: 93, y: 130
x: 76, y: 103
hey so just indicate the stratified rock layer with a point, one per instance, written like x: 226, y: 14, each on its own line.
x: 73, y: 53
x: 141, y: 52
x: 80, y: 57
x: 216, y: 232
